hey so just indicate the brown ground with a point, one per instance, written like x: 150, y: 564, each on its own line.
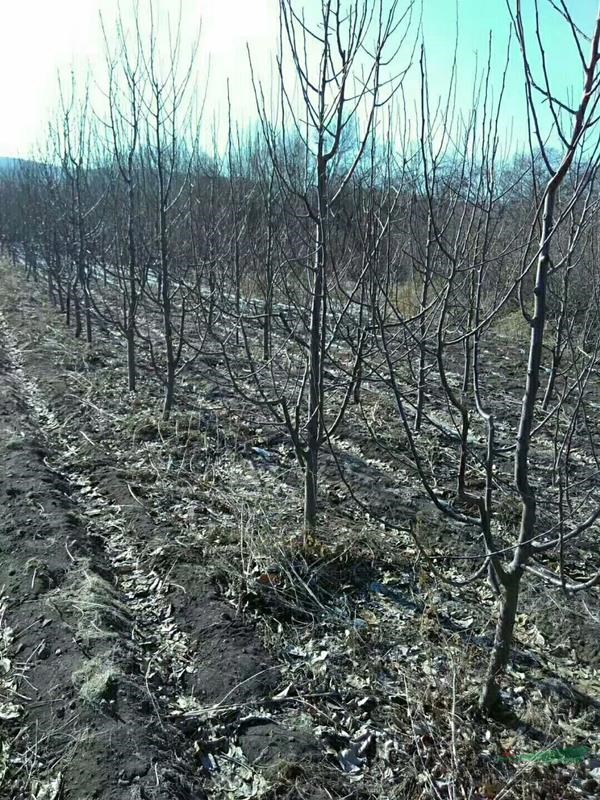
x: 165, y: 637
x: 99, y: 643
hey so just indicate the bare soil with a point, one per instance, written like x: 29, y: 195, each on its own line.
x: 104, y: 635
x: 99, y: 745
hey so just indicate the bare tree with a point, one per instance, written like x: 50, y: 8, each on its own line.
x: 340, y: 69
x: 74, y: 141
x: 125, y: 92
x: 582, y: 119
x: 466, y: 242
x: 167, y: 103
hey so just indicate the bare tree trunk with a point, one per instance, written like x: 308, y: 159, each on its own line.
x: 88, y: 317
x: 131, y: 370
x: 133, y: 298
x: 68, y: 305
x: 266, y: 331
x: 51, y: 294
x: 557, y: 347
x: 422, y: 373
x: 310, y: 494
x: 315, y: 366
x: 269, y: 277
x: 490, y: 693
x: 167, y: 322
x: 77, y: 305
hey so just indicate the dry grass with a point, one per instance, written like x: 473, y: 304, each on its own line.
x: 93, y: 607
x: 96, y: 681
x: 513, y: 326
x: 359, y: 661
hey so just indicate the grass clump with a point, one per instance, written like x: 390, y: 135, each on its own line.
x: 94, y: 609
x: 513, y: 326
x: 96, y: 681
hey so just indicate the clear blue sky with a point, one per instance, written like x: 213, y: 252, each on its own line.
x: 39, y: 38
x: 476, y: 19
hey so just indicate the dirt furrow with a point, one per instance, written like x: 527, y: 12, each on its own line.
x: 164, y: 691
x: 87, y: 723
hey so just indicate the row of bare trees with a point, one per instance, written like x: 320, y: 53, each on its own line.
x: 347, y: 256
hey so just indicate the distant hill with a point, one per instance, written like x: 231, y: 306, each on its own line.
x: 8, y: 163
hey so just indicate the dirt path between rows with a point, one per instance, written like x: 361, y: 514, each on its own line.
x: 118, y: 680
x: 84, y: 722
